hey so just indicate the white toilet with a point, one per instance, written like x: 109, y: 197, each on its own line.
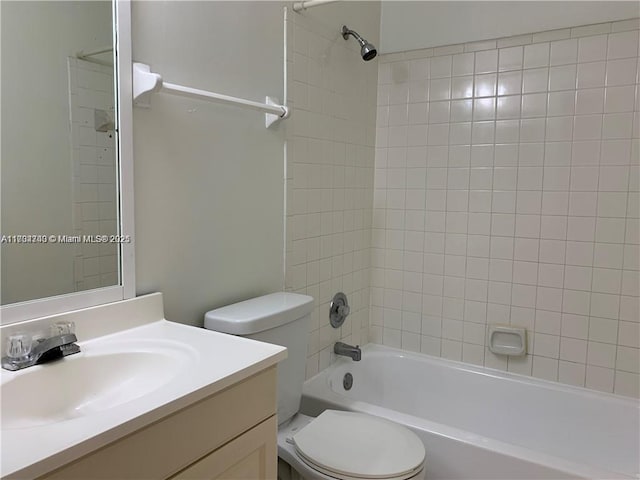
x: 336, y: 444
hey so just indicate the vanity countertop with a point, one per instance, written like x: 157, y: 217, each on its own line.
x: 207, y: 362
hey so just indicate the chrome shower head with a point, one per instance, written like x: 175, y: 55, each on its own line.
x: 367, y: 50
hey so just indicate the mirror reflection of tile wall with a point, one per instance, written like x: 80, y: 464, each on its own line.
x: 93, y: 141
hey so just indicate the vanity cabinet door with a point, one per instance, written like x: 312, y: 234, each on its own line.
x: 252, y: 455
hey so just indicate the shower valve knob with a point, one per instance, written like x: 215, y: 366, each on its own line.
x: 339, y: 310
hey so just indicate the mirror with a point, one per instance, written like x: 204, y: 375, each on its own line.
x: 60, y: 219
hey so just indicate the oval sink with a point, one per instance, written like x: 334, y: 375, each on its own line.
x: 86, y: 383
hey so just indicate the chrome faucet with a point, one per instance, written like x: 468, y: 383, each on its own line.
x: 348, y: 351
x: 22, y: 353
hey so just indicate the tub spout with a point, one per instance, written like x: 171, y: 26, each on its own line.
x: 348, y: 351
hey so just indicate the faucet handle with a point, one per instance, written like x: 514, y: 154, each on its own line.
x: 19, y: 345
x: 63, y: 328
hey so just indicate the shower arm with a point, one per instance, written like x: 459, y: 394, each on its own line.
x: 346, y: 32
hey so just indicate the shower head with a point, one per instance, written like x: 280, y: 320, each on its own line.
x: 367, y: 50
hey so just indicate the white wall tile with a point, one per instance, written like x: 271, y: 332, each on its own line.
x: 623, y: 45
x: 486, y: 61
x: 621, y: 72
x: 619, y: 99
x: 536, y: 55
x: 560, y: 103
x: 628, y: 359
x: 589, y: 101
x: 545, y: 368
x: 551, y: 35
x: 571, y: 373
x: 592, y: 48
x: 536, y: 80
x: 510, y: 58
x: 575, y: 326
x: 441, y: 66
x: 627, y: 384
x: 591, y: 75
x: 573, y: 350
x: 555, y: 203
x: 562, y: 78
x: 587, y: 127
x: 599, y: 378
x: 564, y: 51
x: 601, y: 354
x: 603, y: 330
x: 462, y: 64
x: 534, y: 105
x: 608, y: 255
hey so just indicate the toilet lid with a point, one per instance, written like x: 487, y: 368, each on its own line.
x: 355, y: 445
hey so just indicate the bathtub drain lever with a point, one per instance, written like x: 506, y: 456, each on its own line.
x: 347, y: 381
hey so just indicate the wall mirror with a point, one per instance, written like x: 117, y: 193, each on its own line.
x: 66, y: 186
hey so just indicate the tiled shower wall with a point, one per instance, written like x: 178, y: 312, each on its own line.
x: 506, y: 191
x: 330, y: 164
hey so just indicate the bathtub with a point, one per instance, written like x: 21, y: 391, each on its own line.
x: 482, y: 423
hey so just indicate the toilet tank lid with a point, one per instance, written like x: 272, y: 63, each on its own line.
x: 259, y: 314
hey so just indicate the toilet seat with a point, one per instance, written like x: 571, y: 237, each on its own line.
x: 356, y: 446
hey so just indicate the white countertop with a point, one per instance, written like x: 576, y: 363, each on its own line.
x: 216, y: 361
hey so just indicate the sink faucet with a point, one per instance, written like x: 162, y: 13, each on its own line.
x: 22, y: 354
x: 348, y: 351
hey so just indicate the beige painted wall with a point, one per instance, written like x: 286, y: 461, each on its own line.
x: 209, y: 179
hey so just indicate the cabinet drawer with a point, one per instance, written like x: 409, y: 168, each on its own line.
x: 171, y: 444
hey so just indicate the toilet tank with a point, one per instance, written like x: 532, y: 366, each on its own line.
x: 280, y: 318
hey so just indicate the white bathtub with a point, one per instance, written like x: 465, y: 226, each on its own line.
x: 482, y: 423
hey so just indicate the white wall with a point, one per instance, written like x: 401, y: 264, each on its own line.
x: 419, y: 24
x: 209, y: 179
x: 37, y: 38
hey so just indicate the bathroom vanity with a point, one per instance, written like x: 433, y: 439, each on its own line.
x: 145, y: 398
x: 231, y: 434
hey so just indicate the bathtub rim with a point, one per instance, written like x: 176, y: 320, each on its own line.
x: 376, y: 349
x: 317, y: 391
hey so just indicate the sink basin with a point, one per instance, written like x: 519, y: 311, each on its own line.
x: 87, y: 383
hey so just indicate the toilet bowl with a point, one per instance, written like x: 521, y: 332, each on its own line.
x: 335, y: 444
